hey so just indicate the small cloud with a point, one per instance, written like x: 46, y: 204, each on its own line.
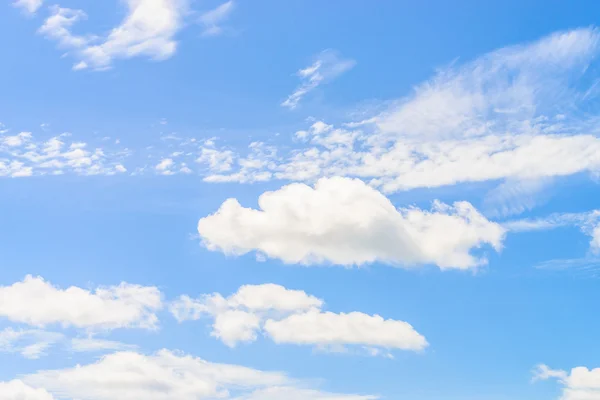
x: 28, y: 6
x: 327, y: 66
x: 212, y: 19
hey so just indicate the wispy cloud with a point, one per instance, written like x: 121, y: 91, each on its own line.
x: 149, y: 30
x: 327, y: 66
x: 212, y: 20
x: 29, y: 6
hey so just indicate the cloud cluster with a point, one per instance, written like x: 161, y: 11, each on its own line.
x: 164, y: 375
x: 294, y: 317
x: 36, y: 302
x: 344, y: 221
x: 148, y: 29
x: 513, y: 115
x: 23, y: 155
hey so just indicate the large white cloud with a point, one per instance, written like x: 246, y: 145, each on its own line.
x: 580, y: 383
x: 295, y: 317
x: 37, y: 302
x: 168, y: 375
x: 344, y: 221
x: 17, y: 390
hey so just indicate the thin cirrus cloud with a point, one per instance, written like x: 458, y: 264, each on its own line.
x: 344, y: 221
x: 30, y: 343
x: 580, y: 383
x: 295, y: 317
x: 38, y: 303
x: 148, y: 30
x: 129, y: 375
x: 212, y: 20
x: 327, y: 66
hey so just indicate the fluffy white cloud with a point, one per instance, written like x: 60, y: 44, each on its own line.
x: 37, y: 302
x: 580, y: 383
x: 293, y: 316
x: 344, y: 221
x: 327, y: 66
x: 167, y: 375
x: 30, y: 343
x: 149, y: 29
x: 17, y: 390
x: 16, y: 140
x: 29, y: 6
x: 213, y: 18
x: 330, y: 330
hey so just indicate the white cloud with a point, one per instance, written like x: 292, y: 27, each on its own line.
x: 17, y: 390
x: 327, y: 66
x: 17, y: 140
x: 343, y: 221
x: 330, y: 330
x: 25, y: 155
x: 588, y: 222
x: 149, y: 29
x: 29, y: 6
x: 580, y: 383
x: 288, y: 393
x: 293, y: 316
x: 38, y: 303
x: 91, y: 344
x: 30, y: 343
x: 168, y: 375
x: 164, y: 166
x: 506, y: 116
x: 213, y: 18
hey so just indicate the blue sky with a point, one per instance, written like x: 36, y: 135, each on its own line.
x: 269, y: 200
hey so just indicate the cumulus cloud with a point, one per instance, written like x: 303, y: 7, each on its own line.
x: 38, y: 303
x: 167, y: 375
x: 149, y: 29
x: 344, y: 221
x: 29, y: 6
x: 294, y: 317
x: 211, y: 20
x: 580, y: 383
x: 327, y: 66
x: 17, y: 390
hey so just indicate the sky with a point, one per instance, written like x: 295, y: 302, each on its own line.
x: 299, y: 200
